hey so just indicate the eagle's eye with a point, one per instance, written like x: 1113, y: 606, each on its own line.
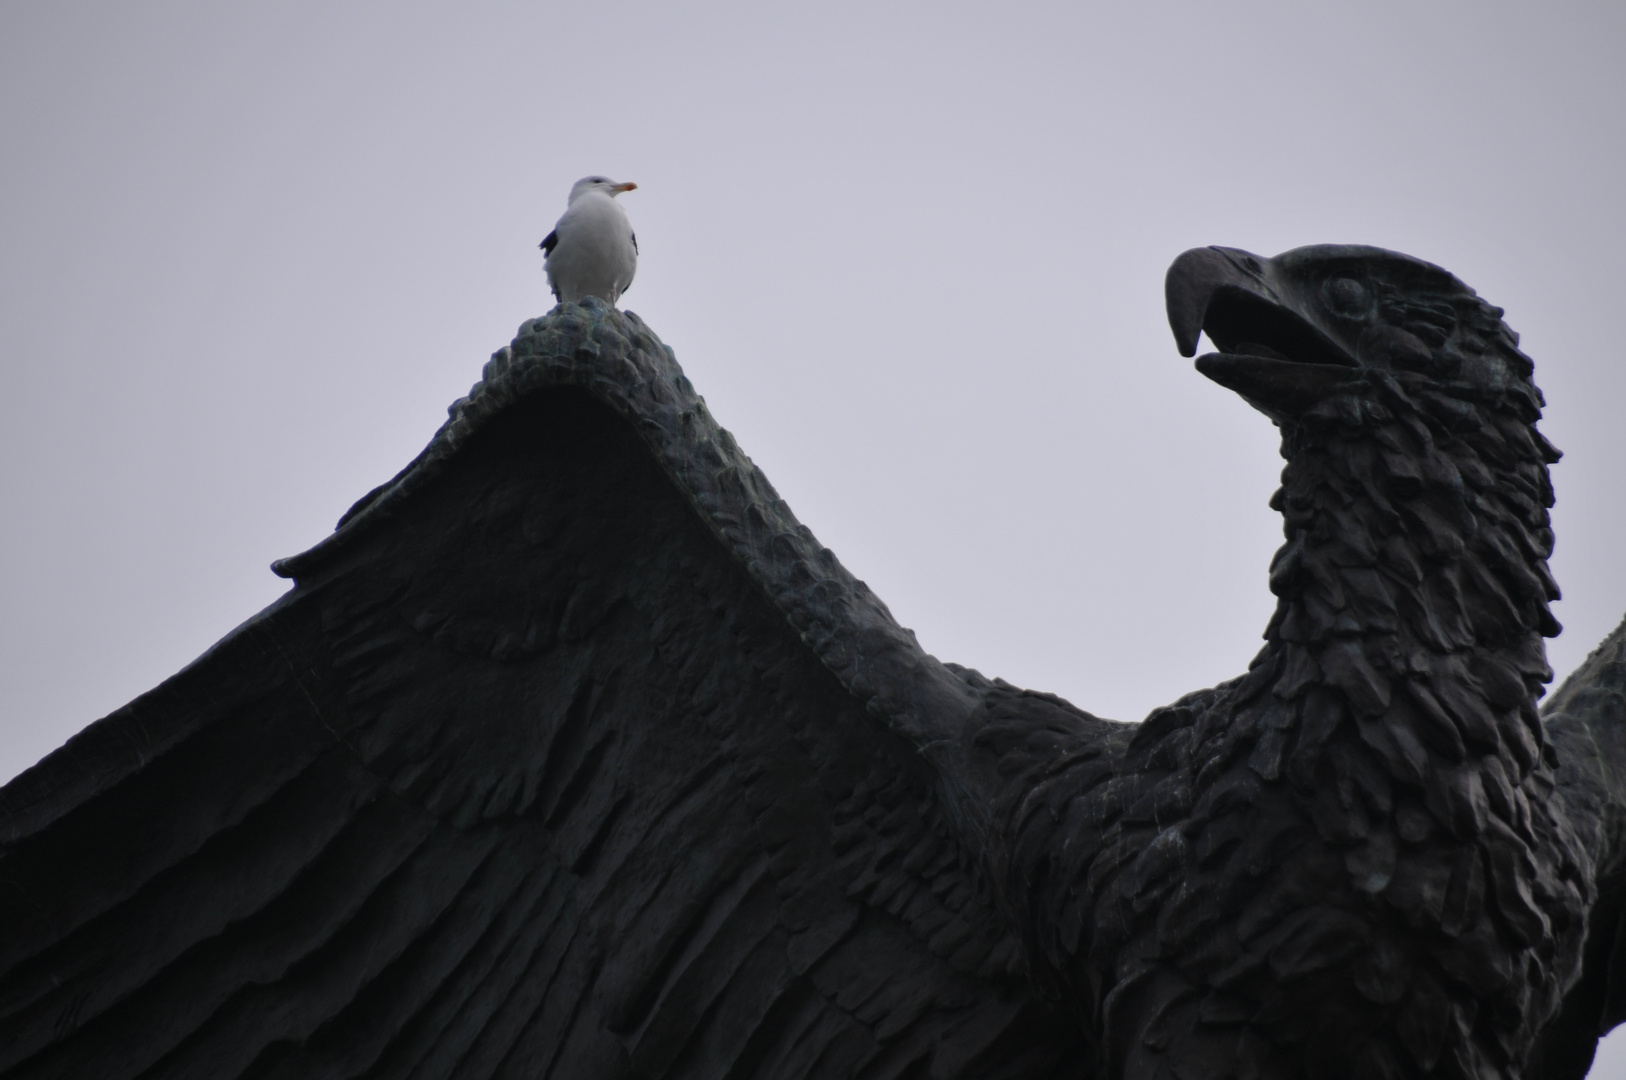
x: 1348, y: 297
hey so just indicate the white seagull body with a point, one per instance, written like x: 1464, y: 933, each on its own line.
x: 592, y: 250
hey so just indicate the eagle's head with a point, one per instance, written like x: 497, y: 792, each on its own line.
x: 1335, y: 320
x: 1408, y: 422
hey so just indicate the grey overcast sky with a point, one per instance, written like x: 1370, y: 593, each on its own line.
x: 911, y: 253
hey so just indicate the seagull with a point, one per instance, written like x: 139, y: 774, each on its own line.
x: 592, y: 250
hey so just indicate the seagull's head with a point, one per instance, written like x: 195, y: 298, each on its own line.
x: 602, y: 184
x: 1335, y: 321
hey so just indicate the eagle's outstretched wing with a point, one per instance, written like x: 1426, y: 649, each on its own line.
x: 1586, y: 719
x: 570, y: 754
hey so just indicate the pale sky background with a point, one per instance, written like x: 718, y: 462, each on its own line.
x: 912, y: 254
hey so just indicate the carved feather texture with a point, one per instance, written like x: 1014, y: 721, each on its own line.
x: 541, y: 782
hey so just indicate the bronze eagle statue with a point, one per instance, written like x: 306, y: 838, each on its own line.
x: 571, y: 753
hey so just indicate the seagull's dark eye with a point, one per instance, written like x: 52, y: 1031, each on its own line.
x: 1348, y: 297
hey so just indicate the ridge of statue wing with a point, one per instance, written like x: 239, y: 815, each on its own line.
x: 1586, y: 722
x: 570, y: 754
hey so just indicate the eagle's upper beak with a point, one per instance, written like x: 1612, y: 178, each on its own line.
x: 1271, y: 351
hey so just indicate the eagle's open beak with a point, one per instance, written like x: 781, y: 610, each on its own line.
x: 1270, y: 353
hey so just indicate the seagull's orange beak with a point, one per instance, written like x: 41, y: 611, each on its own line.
x: 628, y: 186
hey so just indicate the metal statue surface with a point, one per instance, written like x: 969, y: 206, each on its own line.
x: 572, y: 754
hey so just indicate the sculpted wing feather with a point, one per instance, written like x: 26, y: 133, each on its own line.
x: 1586, y: 720
x: 569, y: 754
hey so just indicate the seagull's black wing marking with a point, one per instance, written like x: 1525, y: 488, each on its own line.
x: 571, y: 754
x: 549, y: 242
x: 1586, y: 720
x: 635, y: 244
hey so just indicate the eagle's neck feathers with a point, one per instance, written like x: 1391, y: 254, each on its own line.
x: 1413, y: 586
